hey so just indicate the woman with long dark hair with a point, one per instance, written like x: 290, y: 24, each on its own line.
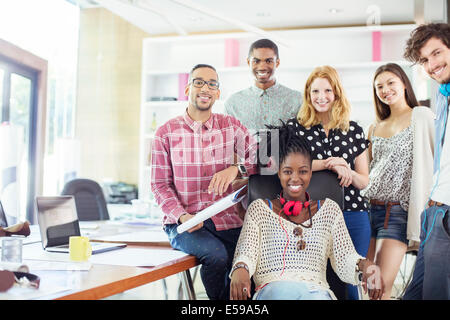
x: 401, y: 169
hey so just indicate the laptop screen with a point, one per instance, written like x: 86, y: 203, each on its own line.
x: 58, y: 220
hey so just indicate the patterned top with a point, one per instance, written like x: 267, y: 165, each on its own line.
x: 264, y: 237
x: 255, y: 107
x: 391, y: 168
x: 185, y: 156
x: 347, y: 145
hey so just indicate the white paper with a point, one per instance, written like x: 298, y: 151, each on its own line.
x: 212, y: 210
x: 41, y: 265
x: 135, y: 237
x: 137, y: 257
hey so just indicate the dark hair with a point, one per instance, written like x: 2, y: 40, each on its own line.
x: 421, y: 35
x: 382, y: 110
x: 263, y: 43
x: 288, y: 142
x: 202, y: 65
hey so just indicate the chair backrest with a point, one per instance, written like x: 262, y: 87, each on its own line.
x: 323, y: 184
x: 89, y: 199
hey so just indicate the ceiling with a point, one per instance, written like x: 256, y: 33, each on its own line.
x: 183, y: 17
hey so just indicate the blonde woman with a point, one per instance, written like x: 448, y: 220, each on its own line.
x: 339, y: 145
x: 401, y: 169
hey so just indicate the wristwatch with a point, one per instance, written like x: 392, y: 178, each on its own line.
x: 241, y: 168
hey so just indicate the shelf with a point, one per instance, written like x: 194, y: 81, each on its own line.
x: 167, y: 60
x: 174, y: 72
x: 287, y: 68
x: 246, y: 35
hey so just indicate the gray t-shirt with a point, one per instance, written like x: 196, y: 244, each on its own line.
x: 255, y: 107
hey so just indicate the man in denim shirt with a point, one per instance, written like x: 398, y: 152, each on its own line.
x: 429, y: 46
x: 266, y: 101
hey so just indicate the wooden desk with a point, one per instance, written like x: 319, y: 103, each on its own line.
x: 104, y: 280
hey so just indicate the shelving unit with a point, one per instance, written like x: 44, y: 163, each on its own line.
x: 168, y: 60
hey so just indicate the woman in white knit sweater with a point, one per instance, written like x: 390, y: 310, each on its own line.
x: 285, y: 242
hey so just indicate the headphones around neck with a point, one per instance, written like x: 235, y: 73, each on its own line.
x: 293, y: 207
x: 445, y: 89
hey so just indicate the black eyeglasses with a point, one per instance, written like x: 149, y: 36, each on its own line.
x: 199, y: 83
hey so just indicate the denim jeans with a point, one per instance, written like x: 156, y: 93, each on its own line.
x: 214, y: 249
x: 358, y: 227
x: 431, y: 277
x: 397, y: 223
x: 292, y: 290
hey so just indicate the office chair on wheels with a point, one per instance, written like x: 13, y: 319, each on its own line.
x: 89, y: 199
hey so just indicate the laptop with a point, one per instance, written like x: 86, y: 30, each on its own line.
x: 58, y: 221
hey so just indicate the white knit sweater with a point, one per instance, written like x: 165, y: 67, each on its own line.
x: 262, y: 242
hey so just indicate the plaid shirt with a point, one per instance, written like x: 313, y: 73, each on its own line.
x: 185, y: 156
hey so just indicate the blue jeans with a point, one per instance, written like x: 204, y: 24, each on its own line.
x: 214, y: 249
x: 358, y: 227
x: 397, y: 223
x: 431, y: 277
x: 292, y: 290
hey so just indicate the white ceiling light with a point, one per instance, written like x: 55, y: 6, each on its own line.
x: 335, y: 10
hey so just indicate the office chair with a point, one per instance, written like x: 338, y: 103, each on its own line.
x: 406, y: 274
x: 89, y: 199
x: 323, y: 184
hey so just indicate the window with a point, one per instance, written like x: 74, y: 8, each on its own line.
x: 18, y: 138
x: 49, y: 30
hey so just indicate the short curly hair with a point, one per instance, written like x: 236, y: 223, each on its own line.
x: 421, y: 35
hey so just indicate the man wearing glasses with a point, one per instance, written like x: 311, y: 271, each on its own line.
x: 266, y: 101
x: 192, y: 167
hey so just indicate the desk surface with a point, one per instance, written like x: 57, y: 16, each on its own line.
x: 103, y: 280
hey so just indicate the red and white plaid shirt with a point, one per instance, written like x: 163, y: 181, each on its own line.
x: 185, y: 156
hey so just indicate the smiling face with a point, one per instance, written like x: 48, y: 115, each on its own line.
x: 322, y: 95
x: 295, y: 174
x: 435, y: 58
x: 389, y: 88
x: 202, y: 99
x: 263, y: 62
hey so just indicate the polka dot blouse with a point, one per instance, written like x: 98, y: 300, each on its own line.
x: 345, y: 144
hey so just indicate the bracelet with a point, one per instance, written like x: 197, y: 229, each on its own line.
x: 239, y: 265
x: 357, y: 269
